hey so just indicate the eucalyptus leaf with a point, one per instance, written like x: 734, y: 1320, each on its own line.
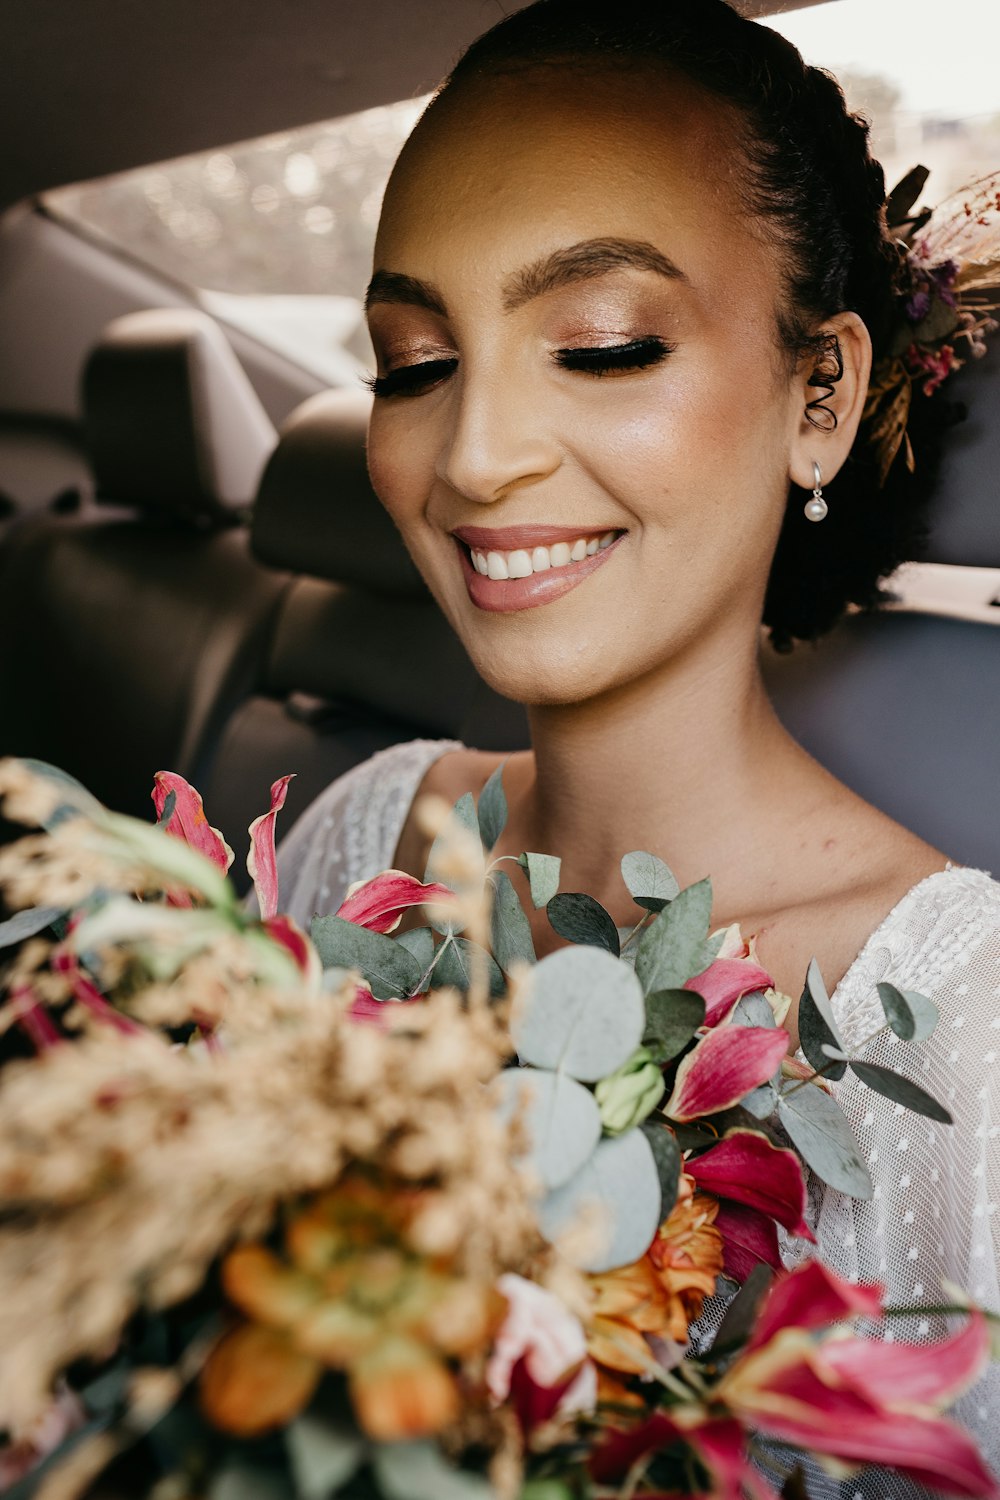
x: 26, y: 924
x: 741, y: 1314
x: 492, y: 810
x: 584, y: 1013
x: 911, y: 1015
x: 511, y: 931
x: 543, y: 872
x: 324, y: 1454
x: 420, y: 942
x: 672, y: 1018
x: 673, y: 947
x: 817, y: 1126
x: 457, y: 966
x: 560, y: 1116
x: 390, y: 969
x: 617, y: 1193
x: 752, y: 1010
x: 241, y: 1479
x: 901, y: 1090
x: 76, y: 798
x: 580, y: 919
x: 667, y: 1156
x: 420, y: 1471
x: 761, y: 1102
x: 464, y: 813
x: 651, y: 884
x: 817, y: 1026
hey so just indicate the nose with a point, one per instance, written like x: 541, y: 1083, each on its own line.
x: 499, y: 439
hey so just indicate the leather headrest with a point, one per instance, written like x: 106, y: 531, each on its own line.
x: 965, y: 514
x: 172, y: 423
x: 317, y: 513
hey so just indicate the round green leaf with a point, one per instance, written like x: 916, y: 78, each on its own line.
x: 618, y: 1191
x: 901, y: 1091
x: 651, y: 884
x: 560, y: 1115
x: 580, y: 919
x: 819, y: 1128
x: 911, y: 1015
x: 542, y: 871
x: 584, y: 1014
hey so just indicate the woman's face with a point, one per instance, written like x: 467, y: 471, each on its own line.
x: 583, y: 420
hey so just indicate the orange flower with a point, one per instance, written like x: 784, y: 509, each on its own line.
x: 662, y: 1293
x: 351, y: 1295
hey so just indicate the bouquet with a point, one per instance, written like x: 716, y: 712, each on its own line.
x: 395, y: 1210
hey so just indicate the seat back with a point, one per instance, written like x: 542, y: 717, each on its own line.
x: 135, y: 627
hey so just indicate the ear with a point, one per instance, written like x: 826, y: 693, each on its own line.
x: 831, y: 387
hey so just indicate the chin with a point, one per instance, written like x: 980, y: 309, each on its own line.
x: 544, y: 678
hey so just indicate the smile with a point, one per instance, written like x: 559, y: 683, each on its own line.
x: 514, y: 568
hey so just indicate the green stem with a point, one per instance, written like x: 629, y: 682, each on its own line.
x: 821, y: 1072
x: 640, y: 926
x: 439, y: 951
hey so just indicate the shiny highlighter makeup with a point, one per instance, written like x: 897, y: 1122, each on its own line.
x: 519, y: 567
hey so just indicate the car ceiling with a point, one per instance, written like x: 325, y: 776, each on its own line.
x: 98, y: 86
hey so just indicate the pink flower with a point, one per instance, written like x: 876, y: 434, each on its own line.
x: 724, y: 982
x: 540, y: 1356
x: 188, y: 821
x: 379, y: 903
x: 762, y: 1183
x: 850, y: 1398
x: 262, y: 865
x: 725, y: 1066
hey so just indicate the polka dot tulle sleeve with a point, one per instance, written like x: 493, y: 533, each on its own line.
x: 351, y: 830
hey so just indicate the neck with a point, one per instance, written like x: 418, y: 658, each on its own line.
x: 685, y: 764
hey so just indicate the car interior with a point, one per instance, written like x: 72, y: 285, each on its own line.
x: 194, y: 571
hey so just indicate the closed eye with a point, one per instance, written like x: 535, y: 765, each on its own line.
x: 637, y: 354
x: 412, y: 380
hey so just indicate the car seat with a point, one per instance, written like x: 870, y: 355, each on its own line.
x: 133, y: 628
x: 360, y: 657
x: 904, y: 705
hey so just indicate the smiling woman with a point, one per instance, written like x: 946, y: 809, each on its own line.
x: 630, y: 275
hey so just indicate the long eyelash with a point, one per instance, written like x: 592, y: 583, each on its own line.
x: 411, y: 380
x: 637, y: 354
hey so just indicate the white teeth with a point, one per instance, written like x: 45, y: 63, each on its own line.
x: 522, y: 564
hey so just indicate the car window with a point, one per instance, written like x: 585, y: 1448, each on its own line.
x: 274, y: 235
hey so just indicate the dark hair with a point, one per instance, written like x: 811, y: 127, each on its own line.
x: 813, y: 180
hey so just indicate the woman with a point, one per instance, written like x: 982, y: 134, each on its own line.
x: 630, y: 271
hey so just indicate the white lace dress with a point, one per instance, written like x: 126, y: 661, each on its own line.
x: 937, y: 1188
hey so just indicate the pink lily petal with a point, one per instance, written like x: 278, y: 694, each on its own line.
x: 932, y: 1375
x: 722, y: 1446
x: 748, y: 1237
x: 797, y: 1405
x: 379, y: 903
x: 535, y: 1403
x: 813, y: 1296
x: 725, y: 1065
x: 620, y: 1448
x: 746, y: 1167
x: 262, y: 866
x: 188, y: 821
x: 290, y: 935
x: 64, y: 961
x: 724, y: 982
x: 371, y: 1012
x: 33, y: 1019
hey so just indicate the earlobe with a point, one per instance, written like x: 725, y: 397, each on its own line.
x: 833, y: 386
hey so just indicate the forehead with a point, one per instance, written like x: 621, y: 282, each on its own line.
x: 504, y: 168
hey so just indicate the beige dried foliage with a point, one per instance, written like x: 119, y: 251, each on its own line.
x: 128, y: 1165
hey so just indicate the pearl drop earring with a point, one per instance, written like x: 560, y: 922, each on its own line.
x: 816, y: 508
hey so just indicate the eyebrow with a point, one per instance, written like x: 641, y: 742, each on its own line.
x: 583, y: 261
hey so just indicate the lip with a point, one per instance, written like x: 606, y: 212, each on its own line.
x: 515, y: 538
x: 505, y: 595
